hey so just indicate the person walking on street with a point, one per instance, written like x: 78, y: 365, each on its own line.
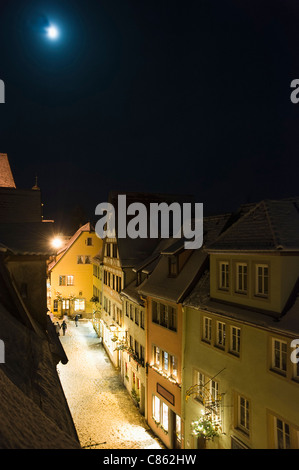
x: 57, y: 328
x: 76, y: 319
x: 64, y: 327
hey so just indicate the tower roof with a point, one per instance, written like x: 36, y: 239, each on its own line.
x: 6, y: 177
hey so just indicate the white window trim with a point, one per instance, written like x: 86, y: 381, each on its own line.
x: 257, y: 293
x: 241, y: 290
x: 227, y: 271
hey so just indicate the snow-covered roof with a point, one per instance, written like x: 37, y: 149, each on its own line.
x: 175, y: 289
x: 84, y: 228
x: 269, y: 225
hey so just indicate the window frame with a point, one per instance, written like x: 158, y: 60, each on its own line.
x: 262, y: 294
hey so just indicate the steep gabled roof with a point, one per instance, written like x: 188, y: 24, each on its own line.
x: 268, y: 226
x: 175, y: 289
x: 6, y: 177
x: 85, y: 228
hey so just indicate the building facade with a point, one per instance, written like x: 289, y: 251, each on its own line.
x: 71, y: 274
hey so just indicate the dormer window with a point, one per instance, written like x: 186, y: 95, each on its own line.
x: 241, y: 278
x: 262, y: 280
x: 173, y: 267
x: 224, y: 275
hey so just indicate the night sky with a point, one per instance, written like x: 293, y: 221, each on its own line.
x: 144, y: 95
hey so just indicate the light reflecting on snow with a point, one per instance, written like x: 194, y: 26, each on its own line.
x: 103, y: 412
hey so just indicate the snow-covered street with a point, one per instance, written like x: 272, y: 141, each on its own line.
x: 103, y: 412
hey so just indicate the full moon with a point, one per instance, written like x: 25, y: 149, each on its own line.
x: 52, y: 32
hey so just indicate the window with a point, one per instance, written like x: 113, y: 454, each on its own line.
x: 174, y: 366
x: 279, y: 355
x: 207, y: 329
x: 178, y: 427
x: 62, y: 280
x: 199, y: 379
x: 164, y: 315
x: 87, y: 259
x: 96, y: 271
x: 156, y: 356
x: 79, y: 305
x: 164, y: 415
x: 142, y: 319
x: 70, y: 280
x: 114, y: 250
x: 165, y: 361
x: 172, y: 318
x: 173, y: 266
x: 224, y: 275
x: 55, y: 305
x: 79, y: 259
x: 131, y: 312
x: 156, y: 408
x: 241, y: 278
x: 89, y: 241
x: 220, y: 337
x: 155, y: 318
x: 282, y: 434
x: 127, y: 308
x: 136, y: 348
x: 142, y: 353
x: 160, y: 412
x: 262, y: 280
x: 96, y: 291
x: 235, y: 340
x: 108, y: 249
x: 243, y: 414
x: 65, y: 304
x: 136, y: 316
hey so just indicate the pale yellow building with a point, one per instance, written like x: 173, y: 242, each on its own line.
x: 71, y: 275
x: 240, y: 381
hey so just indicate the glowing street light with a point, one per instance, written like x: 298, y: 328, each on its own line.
x: 56, y: 242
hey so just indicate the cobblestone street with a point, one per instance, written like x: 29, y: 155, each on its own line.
x: 103, y: 412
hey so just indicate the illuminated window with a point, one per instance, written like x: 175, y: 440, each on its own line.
x: 165, y: 358
x: 79, y: 305
x: 178, y: 427
x: 65, y: 304
x: 164, y: 416
x: 70, y: 280
x: 157, y: 356
x: 224, y: 275
x: 55, y: 305
x: 142, y: 319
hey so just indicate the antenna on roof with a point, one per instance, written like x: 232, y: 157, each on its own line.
x: 35, y: 186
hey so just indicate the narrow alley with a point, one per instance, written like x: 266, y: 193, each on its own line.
x: 103, y: 412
